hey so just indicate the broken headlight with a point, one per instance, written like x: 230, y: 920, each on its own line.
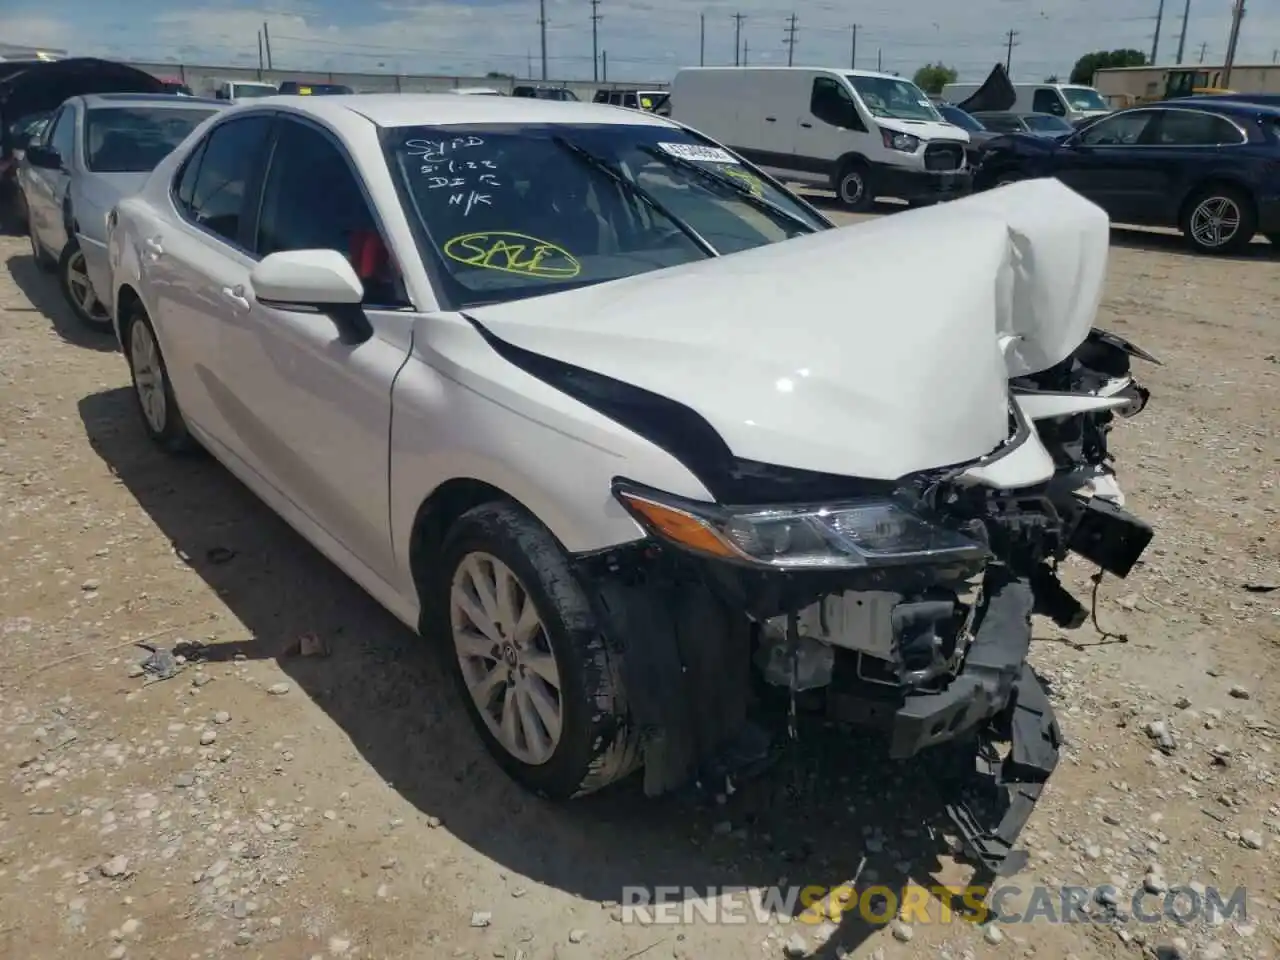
x: 865, y: 533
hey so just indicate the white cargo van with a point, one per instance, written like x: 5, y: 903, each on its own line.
x: 863, y: 134
x: 1071, y: 101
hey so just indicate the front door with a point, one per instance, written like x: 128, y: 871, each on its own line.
x: 47, y: 188
x: 313, y: 411
x: 827, y: 129
x: 1107, y: 162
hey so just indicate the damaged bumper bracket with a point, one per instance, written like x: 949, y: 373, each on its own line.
x: 996, y: 696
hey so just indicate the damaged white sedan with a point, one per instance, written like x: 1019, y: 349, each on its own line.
x: 631, y: 426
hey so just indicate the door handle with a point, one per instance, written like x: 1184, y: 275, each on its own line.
x: 771, y: 119
x: 806, y: 124
x: 235, y: 296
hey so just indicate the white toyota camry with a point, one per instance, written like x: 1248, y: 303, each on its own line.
x: 636, y: 430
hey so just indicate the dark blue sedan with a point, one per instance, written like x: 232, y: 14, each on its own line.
x: 1209, y: 168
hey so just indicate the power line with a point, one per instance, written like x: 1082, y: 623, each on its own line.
x: 595, y: 43
x: 1155, y: 40
x: 737, y: 37
x: 1182, y: 35
x: 790, y: 39
x: 542, y: 29
x: 1008, y: 54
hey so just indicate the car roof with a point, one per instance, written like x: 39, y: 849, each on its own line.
x: 442, y: 109
x: 1235, y: 108
x: 95, y: 101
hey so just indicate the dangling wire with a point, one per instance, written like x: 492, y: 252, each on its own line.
x: 1093, y: 609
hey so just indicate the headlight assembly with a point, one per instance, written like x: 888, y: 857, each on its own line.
x: 835, y: 536
x: 899, y: 141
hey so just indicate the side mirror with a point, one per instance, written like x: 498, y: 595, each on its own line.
x: 321, y: 281
x: 46, y: 158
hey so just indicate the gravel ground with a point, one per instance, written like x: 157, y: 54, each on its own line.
x: 306, y: 784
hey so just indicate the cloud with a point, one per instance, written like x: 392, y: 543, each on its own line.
x: 649, y: 39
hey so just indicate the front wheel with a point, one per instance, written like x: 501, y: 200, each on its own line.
x: 1219, y: 219
x: 73, y: 276
x: 853, y: 188
x: 542, y: 689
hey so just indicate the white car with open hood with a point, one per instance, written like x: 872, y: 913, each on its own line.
x: 605, y: 407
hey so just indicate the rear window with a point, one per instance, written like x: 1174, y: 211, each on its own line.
x: 135, y: 139
x: 510, y: 211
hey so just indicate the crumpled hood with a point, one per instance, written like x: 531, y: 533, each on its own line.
x: 925, y: 129
x: 874, y: 350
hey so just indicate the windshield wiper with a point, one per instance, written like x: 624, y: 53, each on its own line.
x: 760, y: 203
x: 589, y: 158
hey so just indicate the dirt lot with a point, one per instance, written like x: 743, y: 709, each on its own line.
x: 266, y: 804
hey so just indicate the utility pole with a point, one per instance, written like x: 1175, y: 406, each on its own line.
x: 604, y: 63
x: 790, y: 40
x: 1155, y: 41
x: 737, y: 38
x: 528, y: 56
x: 266, y: 41
x: 542, y: 26
x: 879, y: 60
x: 260, y: 60
x: 702, y: 39
x: 595, y: 48
x: 1203, y: 48
x: 1275, y: 55
x: 1008, y: 53
x: 1237, y: 14
x: 853, y: 49
x: 746, y: 52
x: 1182, y: 36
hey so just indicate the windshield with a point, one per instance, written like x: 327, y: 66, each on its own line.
x: 511, y: 211
x: 961, y: 119
x: 893, y: 97
x: 242, y: 90
x: 1047, y: 123
x: 1084, y: 98
x: 135, y: 139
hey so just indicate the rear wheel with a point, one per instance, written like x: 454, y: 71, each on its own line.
x: 529, y: 658
x: 73, y: 275
x: 1219, y: 219
x: 853, y: 187
x: 159, y: 409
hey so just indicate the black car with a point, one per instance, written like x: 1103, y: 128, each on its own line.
x: 1035, y: 124
x: 1208, y: 168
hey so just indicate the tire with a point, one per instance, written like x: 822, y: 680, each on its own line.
x: 1226, y: 205
x: 596, y: 744
x: 162, y: 419
x: 73, y: 280
x: 43, y: 261
x: 853, y: 188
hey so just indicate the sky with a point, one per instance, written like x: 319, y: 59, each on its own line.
x: 643, y: 39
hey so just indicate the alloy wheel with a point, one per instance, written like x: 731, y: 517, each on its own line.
x: 80, y: 288
x: 506, y: 658
x: 148, y: 375
x: 1215, y: 221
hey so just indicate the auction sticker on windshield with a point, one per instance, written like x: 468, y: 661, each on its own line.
x: 510, y: 252
x: 696, y: 151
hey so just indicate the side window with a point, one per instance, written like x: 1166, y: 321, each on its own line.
x: 830, y: 102
x: 63, y: 135
x: 311, y: 200
x: 1001, y: 124
x: 1121, y: 130
x: 615, y: 99
x: 184, y: 186
x: 630, y: 101
x: 1048, y: 100
x: 602, y: 96
x: 1184, y: 128
x: 229, y: 158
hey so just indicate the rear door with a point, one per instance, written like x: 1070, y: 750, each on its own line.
x: 197, y: 263
x: 312, y: 411
x: 1187, y: 147
x: 48, y: 188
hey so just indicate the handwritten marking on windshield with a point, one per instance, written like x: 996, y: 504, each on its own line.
x: 752, y: 182
x: 433, y: 151
x: 696, y: 151
x: 468, y: 201
x: 517, y: 253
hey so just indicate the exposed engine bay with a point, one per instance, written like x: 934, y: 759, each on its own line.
x: 929, y: 652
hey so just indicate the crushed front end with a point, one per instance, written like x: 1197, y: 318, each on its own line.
x: 902, y: 607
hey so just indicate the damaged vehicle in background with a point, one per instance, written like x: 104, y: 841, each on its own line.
x: 583, y: 432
